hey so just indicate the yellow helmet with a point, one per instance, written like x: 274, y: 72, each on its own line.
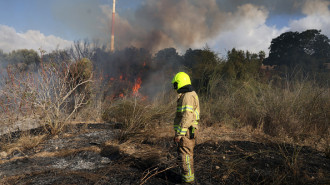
x: 182, y: 79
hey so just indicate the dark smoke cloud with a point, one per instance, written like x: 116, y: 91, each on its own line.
x: 191, y: 23
x: 170, y: 23
x: 274, y: 6
x: 185, y: 22
x: 158, y: 24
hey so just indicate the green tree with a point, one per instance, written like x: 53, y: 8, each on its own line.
x: 307, y: 50
x: 166, y: 63
x: 23, y: 58
x: 168, y: 58
x: 242, y: 65
x: 3, y: 57
x: 202, y: 64
x: 57, y: 56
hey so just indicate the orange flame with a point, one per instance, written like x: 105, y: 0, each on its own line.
x: 137, y: 85
x: 121, y: 77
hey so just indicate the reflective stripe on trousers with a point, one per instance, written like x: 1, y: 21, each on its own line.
x: 186, y: 155
x: 190, y: 176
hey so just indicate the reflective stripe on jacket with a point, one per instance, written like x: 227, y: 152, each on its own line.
x: 187, y: 113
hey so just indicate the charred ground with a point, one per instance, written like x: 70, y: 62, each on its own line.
x: 89, y: 154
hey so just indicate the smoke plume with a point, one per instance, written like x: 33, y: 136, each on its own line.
x: 158, y: 24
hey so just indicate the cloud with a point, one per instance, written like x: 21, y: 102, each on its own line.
x: 317, y: 17
x: 10, y: 40
x: 246, y: 30
x: 251, y: 32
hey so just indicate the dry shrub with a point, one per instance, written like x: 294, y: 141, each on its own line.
x: 52, y: 92
x: 299, y: 111
x: 136, y: 114
x: 233, y: 103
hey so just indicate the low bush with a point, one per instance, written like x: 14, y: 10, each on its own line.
x: 135, y: 115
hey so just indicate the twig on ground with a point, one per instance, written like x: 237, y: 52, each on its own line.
x: 154, y: 172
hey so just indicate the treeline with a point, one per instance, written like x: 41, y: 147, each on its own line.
x: 292, y: 55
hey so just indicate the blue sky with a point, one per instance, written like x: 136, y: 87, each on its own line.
x: 26, y: 15
x: 62, y: 21
x: 282, y: 20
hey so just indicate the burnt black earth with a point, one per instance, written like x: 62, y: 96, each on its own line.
x: 216, y: 162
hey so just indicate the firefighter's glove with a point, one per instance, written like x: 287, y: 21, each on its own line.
x: 177, y: 139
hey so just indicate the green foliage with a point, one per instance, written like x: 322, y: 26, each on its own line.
x: 207, y: 70
x: 82, y: 69
x: 166, y: 63
x: 242, y: 65
x: 79, y: 73
x: 168, y: 57
x: 306, y: 51
x: 202, y: 64
x: 23, y: 58
x: 57, y: 56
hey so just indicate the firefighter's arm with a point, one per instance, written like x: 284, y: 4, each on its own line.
x: 187, y: 111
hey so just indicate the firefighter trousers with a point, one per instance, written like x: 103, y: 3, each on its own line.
x: 185, y: 151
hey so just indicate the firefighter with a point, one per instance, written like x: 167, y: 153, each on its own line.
x: 186, y: 124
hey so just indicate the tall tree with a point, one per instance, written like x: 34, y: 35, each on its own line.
x: 308, y: 50
x: 202, y: 64
x: 168, y: 58
x: 242, y: 65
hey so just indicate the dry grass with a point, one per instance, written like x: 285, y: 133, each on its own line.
x: 291, y: 159
x: 23, y: 143
x: 136, y: 115
x: 299, y: 112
